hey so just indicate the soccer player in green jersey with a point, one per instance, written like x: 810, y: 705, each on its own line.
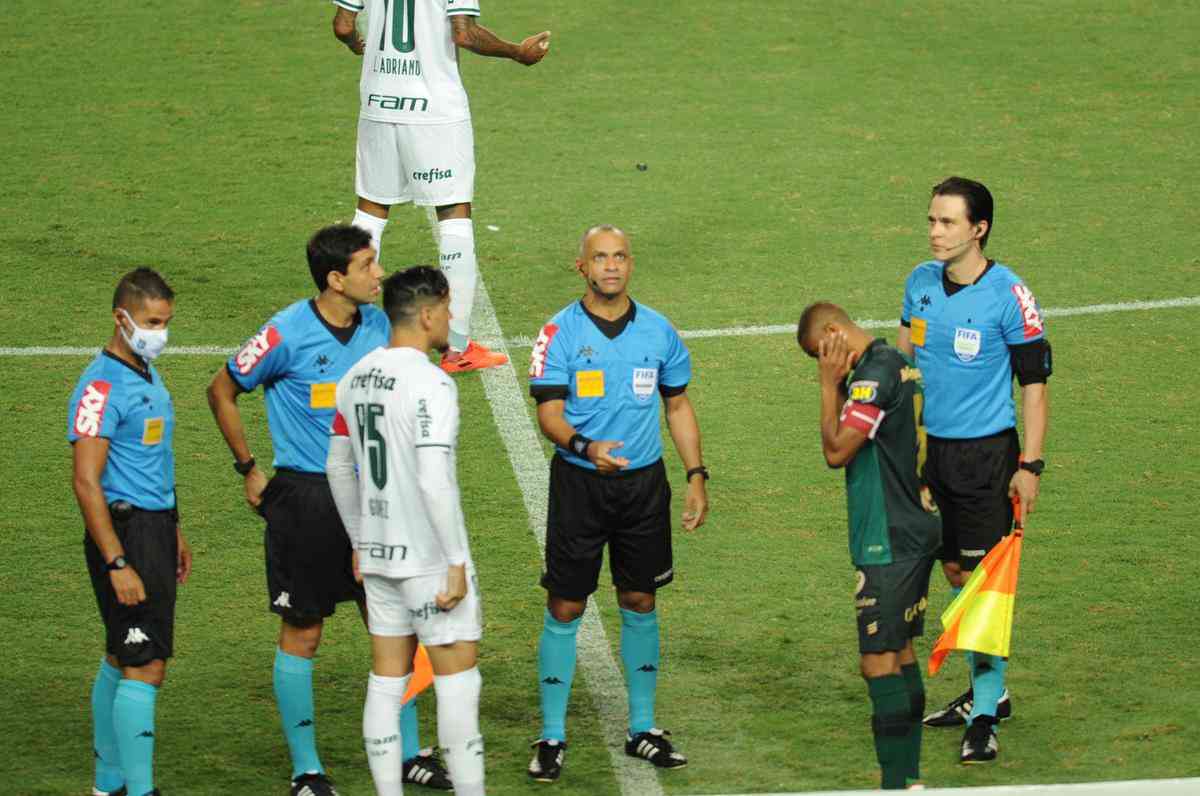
x: 870, y: 426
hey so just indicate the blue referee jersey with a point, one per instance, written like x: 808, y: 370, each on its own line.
x: 612, y: 384
x: 133, y: 411
x: 961, y: 343
x: 298, y: 359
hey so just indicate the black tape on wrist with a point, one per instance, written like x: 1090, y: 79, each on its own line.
x: 579, y: 445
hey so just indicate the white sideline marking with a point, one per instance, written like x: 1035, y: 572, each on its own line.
x: 604, y: 679
x: 1135, y: 787
x: 523, y: 341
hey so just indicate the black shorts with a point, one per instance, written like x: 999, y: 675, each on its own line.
x: 890, y: 600
x: 629, y: 511
x: 969, y: 480
x: 309, y: 560
x: 138, y: 634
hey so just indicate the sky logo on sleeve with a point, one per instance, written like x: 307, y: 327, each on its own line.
x: 1029, y: 311
x: 89, y: 416
x: 256, y: 348
x: 537, y: 361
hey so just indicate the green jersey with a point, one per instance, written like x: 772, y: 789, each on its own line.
x: 887, y: 521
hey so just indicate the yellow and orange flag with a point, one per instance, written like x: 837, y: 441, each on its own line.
x: 981, y: 616
x: 422, y: 676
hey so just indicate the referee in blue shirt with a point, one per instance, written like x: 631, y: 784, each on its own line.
x: 973, y: 325
x: 599, y: 370
x: 298, y: 357
x: 120, y: 424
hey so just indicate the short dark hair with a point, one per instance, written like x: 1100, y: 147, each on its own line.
x: 816, y: 315
x: 976, y: 195
x: 405, y: 292
x: 331, y: 249
x: 141, y: 284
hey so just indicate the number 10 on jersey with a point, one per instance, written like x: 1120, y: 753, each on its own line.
x: 401, y: 22
x: 370, y: 438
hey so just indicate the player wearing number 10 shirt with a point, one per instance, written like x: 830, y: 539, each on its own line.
x: 415, y: 141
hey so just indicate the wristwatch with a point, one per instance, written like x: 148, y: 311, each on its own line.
x: 243, y: 468
x: 701, y: 470
x: 1036, y: 466
x: 117, y: 563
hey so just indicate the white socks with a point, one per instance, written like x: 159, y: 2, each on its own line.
x: 381, y: 732
x: 375, y: 226
x: 456, y: 250
x: 458, y: 728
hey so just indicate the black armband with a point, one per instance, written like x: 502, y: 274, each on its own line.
x: 671, y: 392
x: 1032, y: 363
x: 579, y: 445
x: 548, y: 392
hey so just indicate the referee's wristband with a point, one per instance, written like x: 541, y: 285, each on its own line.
x: 579, y: 445
x: 701, y: 470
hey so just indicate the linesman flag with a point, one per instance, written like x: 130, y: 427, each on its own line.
x: 981, y: 617
x: 422, y: 676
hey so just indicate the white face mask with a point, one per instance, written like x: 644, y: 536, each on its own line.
x: 146, y: 343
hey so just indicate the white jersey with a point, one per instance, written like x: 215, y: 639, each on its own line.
x: 410, y: 65
x: 393, y: 402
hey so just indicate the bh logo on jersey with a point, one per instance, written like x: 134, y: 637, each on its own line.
x: 90, y: 415
x: 255, y: 349
x: 967, y: 343
x: 537, y: 361
x: 1029, y: 311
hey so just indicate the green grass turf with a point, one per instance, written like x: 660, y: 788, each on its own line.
x: 790, y: 148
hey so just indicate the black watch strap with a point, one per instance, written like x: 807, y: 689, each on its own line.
x: 579, y: 445
x: 1036, y: 466
x: 243, y: 468
x: 117, y: 563
x: 701, y: 470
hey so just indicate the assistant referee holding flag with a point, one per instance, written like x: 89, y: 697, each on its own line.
x: 598, y: 371
x: 973, y: 324
x: 120, y: 425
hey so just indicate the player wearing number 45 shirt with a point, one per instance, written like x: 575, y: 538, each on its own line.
x: 415, y: 142
x: 297, y: 358
x: 391, y: 467
x: 599, y: 370
x: 974, y: 325
x: 121, y: 425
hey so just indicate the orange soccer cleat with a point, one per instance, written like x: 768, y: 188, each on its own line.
x: 476, y: 357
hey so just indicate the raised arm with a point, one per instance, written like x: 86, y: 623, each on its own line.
x: 839, y: 441
x: 470, y: 35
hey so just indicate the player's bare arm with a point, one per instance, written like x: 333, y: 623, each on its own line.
x: 1035, y: 415
x: 222, y: 400
x: 685, y: 433
x: 89, y: 458
x: 904, y: 341
x: 839, y: 443
x: 470, y: 35
x: 346, y: 32
x: 559, y: 431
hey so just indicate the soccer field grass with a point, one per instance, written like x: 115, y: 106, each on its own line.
x: 790, y: 148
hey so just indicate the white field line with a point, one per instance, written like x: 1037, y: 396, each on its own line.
x: 1138, y: 787
x: 600, y: 670
x: 523, y: 341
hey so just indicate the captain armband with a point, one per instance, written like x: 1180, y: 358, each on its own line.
x: 1032, y: 363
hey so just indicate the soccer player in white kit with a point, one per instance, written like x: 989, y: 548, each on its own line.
x: 397, y: 422
x: 415, y: 142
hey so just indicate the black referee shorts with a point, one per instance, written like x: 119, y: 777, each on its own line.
x: 969, y: 480
x: 138, y: 634
x: 309, y: 560
x: 630, y: 511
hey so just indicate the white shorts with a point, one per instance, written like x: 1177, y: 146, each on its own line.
x: 406, y: 606
x: 426, y: 164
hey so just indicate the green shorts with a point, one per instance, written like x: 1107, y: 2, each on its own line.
x: 890, y: 600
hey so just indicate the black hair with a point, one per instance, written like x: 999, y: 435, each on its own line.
x: 331, y: 249
x: 405, y: 292
x: 141, y: 284
x: 816, y: 315
x: 976, y: 195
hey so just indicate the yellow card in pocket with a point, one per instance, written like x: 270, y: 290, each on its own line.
x: 152, y: 432
x: 589, y: 384
x: 323, y: 396
x: 917, y: 331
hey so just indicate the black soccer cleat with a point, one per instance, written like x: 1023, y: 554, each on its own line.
x: 956, y: 712
x: 653, y: 745
x: 427, y: 769
x: 118, y: 792
x: 979, y: 743
x: 547, y: 761
x: 313, y: 785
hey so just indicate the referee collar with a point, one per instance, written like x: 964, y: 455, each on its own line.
x: 953, y: 287
x: 612, y: 329
x: 145, y: 374
x: 341, y: 334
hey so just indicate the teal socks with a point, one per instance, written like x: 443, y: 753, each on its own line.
x: 639, y: 654
x: 556, y: 670
x: 988, y: 682
x: 410, y: 731
x: 133, y: 725
x: 104, y: 737
x: 890, y: 726
x: 294, y: 698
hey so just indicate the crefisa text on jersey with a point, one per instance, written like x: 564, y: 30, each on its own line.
x: 373, y: 378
